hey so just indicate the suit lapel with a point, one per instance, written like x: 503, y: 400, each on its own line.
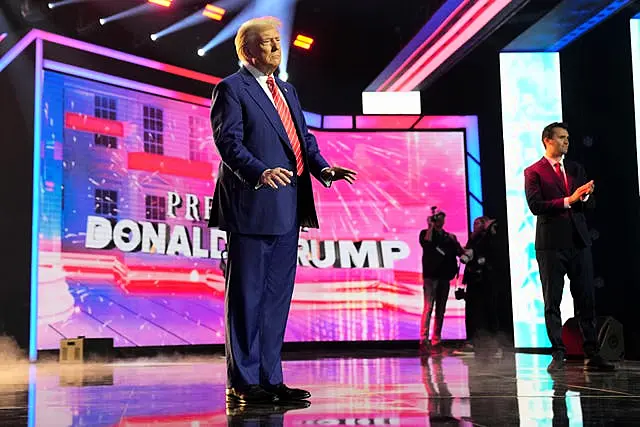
x: 257, y: 93
x: 547, y: 166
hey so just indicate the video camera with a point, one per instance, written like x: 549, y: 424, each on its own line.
x: 460, y: 294
x: 435, y: 214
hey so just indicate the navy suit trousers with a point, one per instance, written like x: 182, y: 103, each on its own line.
x: 259, y: 286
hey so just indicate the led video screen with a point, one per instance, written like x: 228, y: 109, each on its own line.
x: 125, y: 251
x: 531, y: 99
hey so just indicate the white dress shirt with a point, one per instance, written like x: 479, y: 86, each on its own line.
x: 262, y: 81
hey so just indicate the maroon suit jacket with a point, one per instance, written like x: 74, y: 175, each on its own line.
x: 545, y: 191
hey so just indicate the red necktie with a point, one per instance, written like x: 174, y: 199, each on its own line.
x: 287, y: 121
x: 562, y: 177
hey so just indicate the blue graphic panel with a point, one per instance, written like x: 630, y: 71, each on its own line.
x: 531, y: 99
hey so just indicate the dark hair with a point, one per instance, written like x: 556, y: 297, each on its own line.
x: 547, y: 132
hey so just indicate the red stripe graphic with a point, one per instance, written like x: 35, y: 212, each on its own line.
x: 170, y: 166
x: 84, y: 123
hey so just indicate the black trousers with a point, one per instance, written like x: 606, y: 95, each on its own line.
x: 481, y: 312
x: 577, y: 264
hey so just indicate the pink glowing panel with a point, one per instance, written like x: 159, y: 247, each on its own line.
x: 477, y: 17
x: 386, y: 122
x: 443, y: 122
x: 16, y: 50
x: 444, y: 24
x: 338, y: 122
x: 103, y: 51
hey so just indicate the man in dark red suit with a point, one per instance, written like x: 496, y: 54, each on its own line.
x: 558, y: 193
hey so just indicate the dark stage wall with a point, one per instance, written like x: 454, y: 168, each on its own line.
x: 16, y: 105
x: 597, y: 93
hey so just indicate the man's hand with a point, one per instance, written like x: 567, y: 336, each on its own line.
x: 336, y: 173
x: 581, y: 192
x: 593, y: 187
x: 275, y: 177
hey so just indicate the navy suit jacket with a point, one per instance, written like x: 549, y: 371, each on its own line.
x: 250, y: 138
x: 545, y: 191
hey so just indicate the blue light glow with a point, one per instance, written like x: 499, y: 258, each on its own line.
x: 53, y: 5
x: 147, y: 7
x: 589, y: 24
x: 16, y: 50
x: 281, y: 9
x: 197, y: 18
x: 35, y: 206
x: 191, y: 20
x: 313, y: 120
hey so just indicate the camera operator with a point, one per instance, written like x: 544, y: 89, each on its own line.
x: 439, y: 266
x: 480, y: 307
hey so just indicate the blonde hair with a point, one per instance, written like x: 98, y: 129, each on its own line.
x: 250, y: 30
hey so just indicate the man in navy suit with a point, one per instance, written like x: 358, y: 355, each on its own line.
x: 558, y: 193
x: 263, y: 196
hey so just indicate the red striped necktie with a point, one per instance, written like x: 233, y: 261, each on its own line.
x: 562, y: 177
x: 287, y: 121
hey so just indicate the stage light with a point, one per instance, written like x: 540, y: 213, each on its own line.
x: 140, y: 9
x: 163, y: 3
x: 154, y: 37
x: 303, y: 41
x: 53, y: 5
x: 201, y: 52
x: 281, y: 9
x: 3, y: 36
x: 220, y: 7
x: 213, y: 12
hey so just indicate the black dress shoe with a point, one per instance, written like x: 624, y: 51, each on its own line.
x: 287, y: 394
x: 250, y: 394
x: 597, y: 363
x: 557, y: 364
x: 264, y: 409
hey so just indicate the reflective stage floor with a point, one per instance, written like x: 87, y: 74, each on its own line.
x: 409, y: 391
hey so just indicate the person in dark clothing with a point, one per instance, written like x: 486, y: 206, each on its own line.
x: 480, y: 300
x: 440, y: 251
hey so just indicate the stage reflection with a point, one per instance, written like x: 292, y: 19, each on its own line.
x: 443, y: 390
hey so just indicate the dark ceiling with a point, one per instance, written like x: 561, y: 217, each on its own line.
x: 354, y: 39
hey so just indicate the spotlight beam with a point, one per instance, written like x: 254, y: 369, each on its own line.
x: 138, y: 10
x: 191, y: 20
x: 198, y: 18
x: 282, y: 9
x: 53, y: 5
